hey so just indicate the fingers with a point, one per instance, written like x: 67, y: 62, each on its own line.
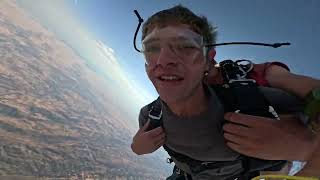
x: 235, y: 139
x: 157, y: 146
x: 160, y: 141
x: 144, y: 127
x: 159, y: 137
x: 237, y: 129
x: 244, y: 119
x: 155, y: 132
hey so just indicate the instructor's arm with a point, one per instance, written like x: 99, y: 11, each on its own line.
x: 298, y: 85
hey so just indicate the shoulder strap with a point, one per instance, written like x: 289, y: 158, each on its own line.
x: 155, y: 114
x: 240, y: 94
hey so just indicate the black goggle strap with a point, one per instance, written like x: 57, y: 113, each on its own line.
x: 275, y: 45
x: 137, y: 30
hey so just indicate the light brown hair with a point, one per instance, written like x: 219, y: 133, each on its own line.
x: 182, y: 15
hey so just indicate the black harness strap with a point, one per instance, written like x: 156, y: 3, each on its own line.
x: 239, y: 94
x: 155, y: 114
x: 245, y: 97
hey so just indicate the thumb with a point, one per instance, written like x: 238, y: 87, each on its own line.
x: 144, y: 127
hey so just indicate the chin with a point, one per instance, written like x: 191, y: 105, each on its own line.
x: 169, y: 98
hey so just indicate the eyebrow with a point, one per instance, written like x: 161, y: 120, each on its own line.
x: 151, y: 40
x: 158, y: 39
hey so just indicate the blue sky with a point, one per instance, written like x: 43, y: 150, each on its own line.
x: 112, y: 24
x: 294, y: 21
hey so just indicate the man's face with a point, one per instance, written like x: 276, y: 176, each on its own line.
x: 175, y: 62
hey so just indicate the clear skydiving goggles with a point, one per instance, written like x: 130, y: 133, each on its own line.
x: 180, y: 43
x: 193, y: 43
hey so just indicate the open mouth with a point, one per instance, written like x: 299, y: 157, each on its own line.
x: 170, y: 78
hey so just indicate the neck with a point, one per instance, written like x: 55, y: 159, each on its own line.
x: 195, y: 104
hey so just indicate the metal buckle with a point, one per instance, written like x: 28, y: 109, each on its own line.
x: 178, y: 171
x: 274, y: 113
x: 156, y: 117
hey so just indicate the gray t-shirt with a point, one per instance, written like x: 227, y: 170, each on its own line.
x: 201, y: 137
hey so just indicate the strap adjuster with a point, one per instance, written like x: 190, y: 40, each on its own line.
x: 155, y: 113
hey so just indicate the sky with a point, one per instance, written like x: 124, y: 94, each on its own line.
x: 102, y: 32
x: 294, y: 21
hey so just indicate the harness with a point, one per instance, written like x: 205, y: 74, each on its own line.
x: 237, y: 94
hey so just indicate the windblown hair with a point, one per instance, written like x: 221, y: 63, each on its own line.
x: 181, y: 15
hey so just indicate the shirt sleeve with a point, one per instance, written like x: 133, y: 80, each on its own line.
x: 258, y: 72
x: 278, y: 64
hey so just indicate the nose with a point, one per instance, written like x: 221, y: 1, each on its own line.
x: 167, y: 57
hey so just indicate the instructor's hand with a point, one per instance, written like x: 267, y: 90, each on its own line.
x: 145, y: 142
x: 266, y: 138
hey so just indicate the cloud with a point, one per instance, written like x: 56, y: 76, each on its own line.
x: 114, y: 70
x: 108, y: 52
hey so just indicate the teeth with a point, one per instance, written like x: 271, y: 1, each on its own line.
x: 169, y: 77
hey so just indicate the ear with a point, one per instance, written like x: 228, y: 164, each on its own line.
x: 211, y: 53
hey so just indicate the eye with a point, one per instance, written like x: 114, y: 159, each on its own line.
x: 188, y: 47
x: 185, y: 46
x: 151, y: 48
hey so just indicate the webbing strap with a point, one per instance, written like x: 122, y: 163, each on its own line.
x: 155, y: 114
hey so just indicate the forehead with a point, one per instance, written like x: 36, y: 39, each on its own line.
x: 171, y: 31
x: 170, y: 23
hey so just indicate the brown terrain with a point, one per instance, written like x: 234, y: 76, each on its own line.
x: 54, y: 119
